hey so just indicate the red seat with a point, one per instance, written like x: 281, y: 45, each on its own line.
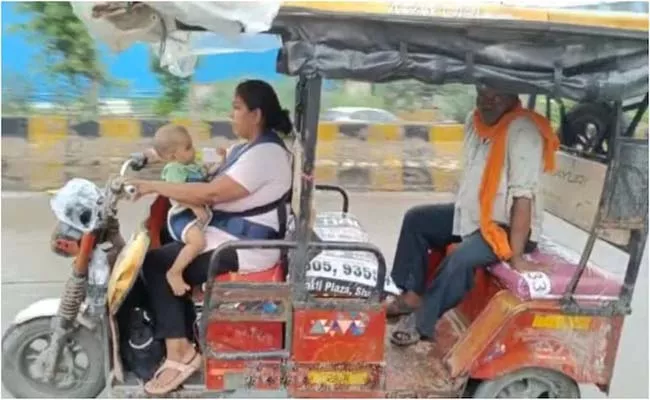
x: 557, y: 266
x: 273, y: 274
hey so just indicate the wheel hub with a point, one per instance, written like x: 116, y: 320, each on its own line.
x: 34, y: 363
x: 529, y: 388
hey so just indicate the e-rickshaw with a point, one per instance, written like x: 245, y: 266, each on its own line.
x: 537, y: 334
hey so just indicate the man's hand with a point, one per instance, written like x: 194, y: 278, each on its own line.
x: 520, y: 223
x: 520, y: 264
x: 176, y: 282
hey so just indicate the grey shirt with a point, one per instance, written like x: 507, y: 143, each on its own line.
x: 521, y: 176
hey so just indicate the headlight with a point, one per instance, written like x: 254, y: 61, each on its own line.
x: 65, y: 240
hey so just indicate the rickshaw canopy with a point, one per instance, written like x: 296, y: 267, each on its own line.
x: 575, y: 54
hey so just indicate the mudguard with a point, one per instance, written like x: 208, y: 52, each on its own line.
x: 47, y: 308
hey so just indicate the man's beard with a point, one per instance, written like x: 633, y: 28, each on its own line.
x: 491, y: 117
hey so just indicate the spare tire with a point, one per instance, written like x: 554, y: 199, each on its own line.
x: 588, y: 126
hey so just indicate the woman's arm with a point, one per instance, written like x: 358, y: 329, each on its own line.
x: 222, y: 189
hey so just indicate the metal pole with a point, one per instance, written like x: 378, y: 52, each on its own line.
x: 636, y: 247
x: 629, y: 132
x: 310, y: 103
x: 602, y: 204
x: 532, y: 100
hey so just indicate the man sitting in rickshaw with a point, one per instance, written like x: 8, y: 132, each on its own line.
x: 497, y: 214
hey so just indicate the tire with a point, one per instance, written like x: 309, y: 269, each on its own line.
x: 15, y: 378
x: 529, y: 383
x: 596, y: 115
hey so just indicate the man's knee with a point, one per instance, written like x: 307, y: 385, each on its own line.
x: 469, y: 255
x: 416, y: 214
x: 421, y: 218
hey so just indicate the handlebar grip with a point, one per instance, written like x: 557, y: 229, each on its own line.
x: 138, y: 161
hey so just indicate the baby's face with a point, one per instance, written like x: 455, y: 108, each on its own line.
x: 174, y: 146
x: 185, y: 154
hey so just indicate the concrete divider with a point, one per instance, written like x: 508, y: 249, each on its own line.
x: 42, y: 152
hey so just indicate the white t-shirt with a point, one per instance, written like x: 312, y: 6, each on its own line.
x: 265, y: 171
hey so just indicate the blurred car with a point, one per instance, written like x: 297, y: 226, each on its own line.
x: 358, y: 114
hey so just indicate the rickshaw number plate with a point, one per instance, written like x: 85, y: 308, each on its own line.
x: 348, y: 378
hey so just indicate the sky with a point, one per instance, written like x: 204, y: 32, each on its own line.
x: 132, y: 65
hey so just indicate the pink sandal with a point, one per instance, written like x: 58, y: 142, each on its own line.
x: 185, y: 371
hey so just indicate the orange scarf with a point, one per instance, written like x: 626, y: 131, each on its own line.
x: 498, y: 134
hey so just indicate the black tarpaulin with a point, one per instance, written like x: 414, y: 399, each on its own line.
x: 524, y: 57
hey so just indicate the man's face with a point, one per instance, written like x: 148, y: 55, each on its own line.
x: 492, y: 104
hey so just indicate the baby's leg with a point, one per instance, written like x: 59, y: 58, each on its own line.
x: 201, y: 214
x: 194, y: 244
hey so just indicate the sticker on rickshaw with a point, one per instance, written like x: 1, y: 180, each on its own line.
x: 561, y: 322
x: 348, y: 378
x: 427, y: 10
x: 343, y: 273
x: 538, y: 282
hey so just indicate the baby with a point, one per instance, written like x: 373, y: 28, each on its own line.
x: 185, y: 222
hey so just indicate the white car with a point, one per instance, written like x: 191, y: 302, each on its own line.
x: 358, y: 114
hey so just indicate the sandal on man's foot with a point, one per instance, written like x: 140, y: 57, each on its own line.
x: 398, y: 308
x: 406, y: 332
x: 157, y: 388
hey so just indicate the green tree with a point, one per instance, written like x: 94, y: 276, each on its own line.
x: 69, y: 51
x: 455, y: 101
x: 175, y: 89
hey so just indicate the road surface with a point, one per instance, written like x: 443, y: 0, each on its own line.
x: 31, y: 272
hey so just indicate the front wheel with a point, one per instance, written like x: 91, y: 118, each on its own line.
x: 529, y: 383
x: 79, y: 373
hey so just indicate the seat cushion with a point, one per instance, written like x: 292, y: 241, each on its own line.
x: 273, y: 274
x: 550, y: 282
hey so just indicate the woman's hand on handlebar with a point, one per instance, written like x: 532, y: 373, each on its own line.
x: 142, y: 187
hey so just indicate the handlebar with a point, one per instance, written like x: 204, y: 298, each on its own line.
x: 126, y: 166
x: 136, y: 162
x: 130, y: 190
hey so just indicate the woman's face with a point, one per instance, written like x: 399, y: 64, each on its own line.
x: 245, y: 123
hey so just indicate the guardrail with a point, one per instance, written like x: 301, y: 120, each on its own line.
x: 41, y: 152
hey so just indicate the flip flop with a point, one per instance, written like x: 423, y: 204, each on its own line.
x: 153, y: 387
x: 406, y: 333
x: 398, y: 308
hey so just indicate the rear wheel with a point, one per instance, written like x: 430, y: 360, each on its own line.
x: 529, y: 383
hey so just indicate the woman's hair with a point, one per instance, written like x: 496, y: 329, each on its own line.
x: 260, y: 95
